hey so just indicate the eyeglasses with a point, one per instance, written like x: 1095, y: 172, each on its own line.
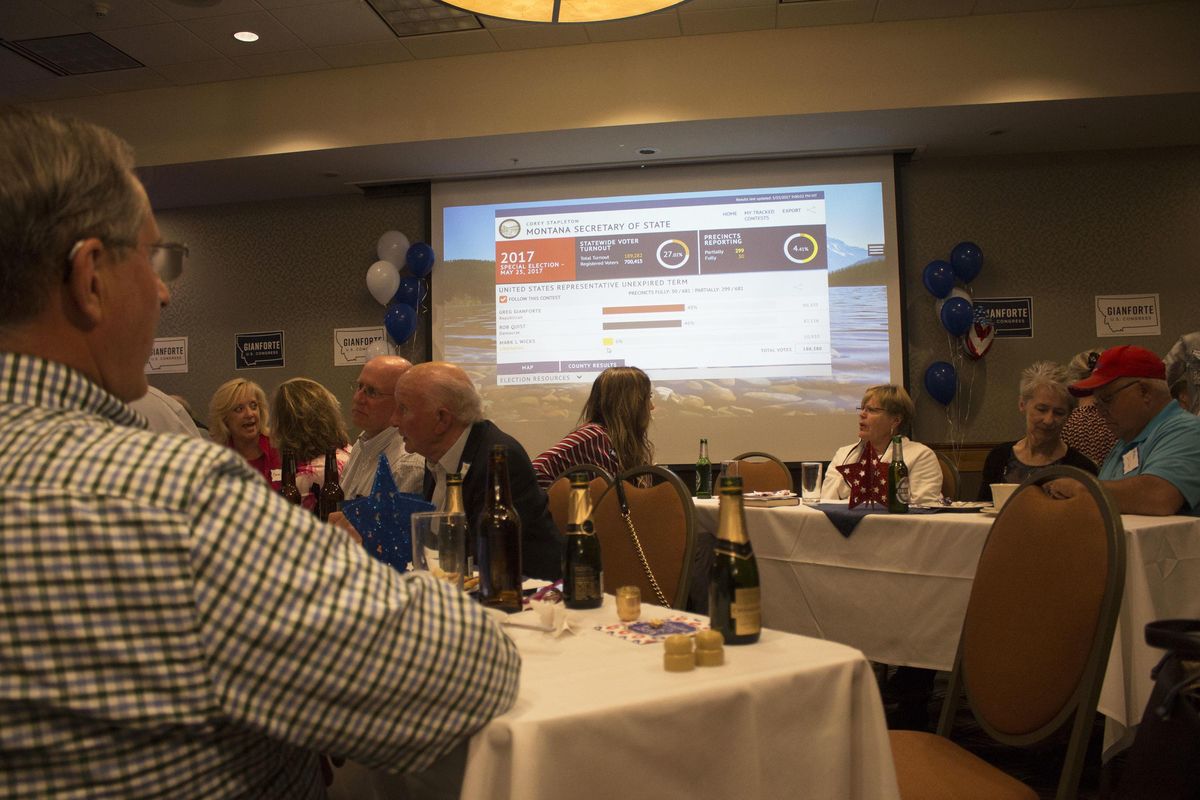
x: 370, y: 391
x: 1105, y: 400
x: 166, y: 258
x: 869, y: 409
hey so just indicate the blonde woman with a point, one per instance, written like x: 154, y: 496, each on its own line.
x: 612, y: 430
x: 238, y: 418
x: 1085, y: 429
x: 885, y: 412
x: 308, y: 422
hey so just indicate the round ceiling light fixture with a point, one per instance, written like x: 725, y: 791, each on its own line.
x: 563, y: 10
x: 246, y: 36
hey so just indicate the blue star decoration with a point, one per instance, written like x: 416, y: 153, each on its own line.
x: 867, y: 478
x: 384, y: 518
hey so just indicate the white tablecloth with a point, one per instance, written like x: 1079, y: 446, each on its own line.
x: 897, y: 588
x: 598, y: 718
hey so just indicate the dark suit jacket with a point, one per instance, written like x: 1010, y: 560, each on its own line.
x: 541, y: 543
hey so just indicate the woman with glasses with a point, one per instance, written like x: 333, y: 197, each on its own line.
x: 612, y: 430
x: 238, y: 418
x: 1046, y: 403
x: 885, y: 412
x: 1085, y: 429
x: 308, y: 422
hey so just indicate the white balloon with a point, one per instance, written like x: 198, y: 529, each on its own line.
x: 383, y: 279
x: 393, y: 247
x: 379, y: 347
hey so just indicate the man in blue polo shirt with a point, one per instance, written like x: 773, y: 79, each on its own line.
x: 1154, y: 468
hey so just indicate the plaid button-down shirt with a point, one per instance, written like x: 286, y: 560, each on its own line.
x: 171, y: 628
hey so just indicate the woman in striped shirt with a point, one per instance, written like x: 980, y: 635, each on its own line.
x: 612, y: 430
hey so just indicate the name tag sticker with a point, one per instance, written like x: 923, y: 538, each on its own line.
x: 1129, y: 461
x: 277, y: 475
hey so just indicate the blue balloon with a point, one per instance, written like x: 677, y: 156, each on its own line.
x: 420, y: 259
x: 967, y: 260
x: 410, y: 293
x: 401, y: 322
x: 939, y: 278
x: 957, y: 316
x: 941, y: 381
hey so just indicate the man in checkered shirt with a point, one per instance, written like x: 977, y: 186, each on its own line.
x: 169, y: 627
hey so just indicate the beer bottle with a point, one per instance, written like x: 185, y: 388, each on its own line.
x: 898, y: 491
x: 734, y: 598
x: 583, y: 576
x: 331, y: 496
x: 287, y: 486
x: 703, y: 472
x: 499, y: 539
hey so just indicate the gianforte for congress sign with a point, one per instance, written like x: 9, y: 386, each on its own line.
x: 1127, y: 315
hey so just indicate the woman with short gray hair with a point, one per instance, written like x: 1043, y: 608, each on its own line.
x: 1045, y: 402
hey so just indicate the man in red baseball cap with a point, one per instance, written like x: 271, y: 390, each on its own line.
x: 1154, y: 468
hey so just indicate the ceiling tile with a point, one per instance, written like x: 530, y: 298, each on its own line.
x: 651, y: 26
x: 273, y: 4
x: 726, y: 20
x: 359, y: 55
x: 153, y: 45
x: 441, y: 45
x: 710, y: 5
x: 217, y: 69
x: 126, y: 80
x: 218, y: 31
x: 890, y: 10
x: 15, y: 68
x: 178, y: 10
x: 829, y: 12
x: 1010, y: 6
x: 347, y: 22
x: 55, y: 88
x: 281, y: 63
x: 522, y: 37
x: 120, y: 14
x: 29, y: 19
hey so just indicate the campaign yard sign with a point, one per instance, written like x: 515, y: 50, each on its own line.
x: 258, y: 350
x: 1011, y: 316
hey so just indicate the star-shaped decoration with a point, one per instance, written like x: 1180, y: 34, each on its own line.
x: 867, y: 478
x: 384, y: 518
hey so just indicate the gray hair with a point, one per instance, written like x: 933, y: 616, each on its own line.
x: 448, y: 386
x: 1046, y: 375
x: 61, y: 180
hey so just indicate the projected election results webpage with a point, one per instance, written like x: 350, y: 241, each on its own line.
x: 710, y: 287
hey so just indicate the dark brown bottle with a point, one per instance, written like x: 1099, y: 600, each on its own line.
x: 734, y: 597
x: 499, y: 539
x: 331, y: 496
x: 287, y: 486
x: 583, y: 572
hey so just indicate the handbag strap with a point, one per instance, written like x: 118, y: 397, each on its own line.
x: 637, y: 544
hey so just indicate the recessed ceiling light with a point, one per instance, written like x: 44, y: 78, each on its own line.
x: 246, y: 36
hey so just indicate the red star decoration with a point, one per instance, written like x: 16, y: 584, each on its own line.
x: 867, y: 477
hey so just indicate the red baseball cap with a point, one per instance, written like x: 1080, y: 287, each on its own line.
x: 1123, y: 361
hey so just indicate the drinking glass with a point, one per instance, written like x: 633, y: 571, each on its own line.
x: 810, y: 482
x: 439, y: 540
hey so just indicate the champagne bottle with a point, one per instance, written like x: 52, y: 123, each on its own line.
x: 331, y: 496
x: 583, y: 575
x: 287, y: 486
x: 703, y: 472
x: 454, y: 505
x: 734, y: 598
x: 898, y: 491
x: 499, y: 539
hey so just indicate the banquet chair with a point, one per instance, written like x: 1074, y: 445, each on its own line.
x: 763, y: 472
x: 559, y: 491
x: 1034, y: 644
x: 950, y: 477
x: 663, y: 518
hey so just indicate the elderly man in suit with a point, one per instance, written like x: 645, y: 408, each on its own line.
x: 439, y: 414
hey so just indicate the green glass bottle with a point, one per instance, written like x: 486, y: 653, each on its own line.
x: 734, y: 597
x: 703, y: 472
x: 583, y: 574
x: 898, y: 490
x: 499, y: 539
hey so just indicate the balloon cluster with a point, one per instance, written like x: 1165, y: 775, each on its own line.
x: 957, y: 313
x: 401, y: 294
